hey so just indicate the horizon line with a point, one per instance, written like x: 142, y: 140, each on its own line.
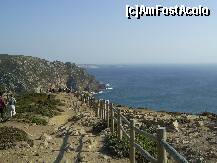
x: 129, y: 63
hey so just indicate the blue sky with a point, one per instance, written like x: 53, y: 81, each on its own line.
x: 97, y: 31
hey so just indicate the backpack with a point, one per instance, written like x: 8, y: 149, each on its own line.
x: 2, y: 104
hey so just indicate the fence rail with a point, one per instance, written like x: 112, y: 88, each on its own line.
x: 105, y: 110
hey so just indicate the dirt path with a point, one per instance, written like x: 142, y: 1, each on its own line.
x: 68, y: 138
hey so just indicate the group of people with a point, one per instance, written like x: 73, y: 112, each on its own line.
x: 7, y: 106
x: 59, y: 90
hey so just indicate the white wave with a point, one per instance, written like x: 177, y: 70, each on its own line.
x: 109, y: 88
x: 94, y: 93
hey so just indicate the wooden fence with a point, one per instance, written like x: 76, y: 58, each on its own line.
x: 106, y: 111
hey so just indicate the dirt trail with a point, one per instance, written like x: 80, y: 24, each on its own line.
x: 67, y: 139
x: 68, y: 111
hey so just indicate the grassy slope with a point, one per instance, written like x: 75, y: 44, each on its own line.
x: 36, y: 107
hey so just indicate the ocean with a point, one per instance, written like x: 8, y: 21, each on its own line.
x: 177, y: 88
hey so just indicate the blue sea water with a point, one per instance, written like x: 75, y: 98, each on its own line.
x: 181, y: 88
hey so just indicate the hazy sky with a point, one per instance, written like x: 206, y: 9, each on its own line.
x: 97, y: 31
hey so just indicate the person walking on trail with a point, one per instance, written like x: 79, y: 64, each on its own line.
x: 11, y: 103
x: 2, y: 106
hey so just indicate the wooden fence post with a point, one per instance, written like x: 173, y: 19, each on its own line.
x: 93, y: 102
x: 97, y: 108
x: 161, y: 152
x: 101, y: 108
x: 132, y: 141
x: 86, y: 99
x: 81, y: 96
x: 91, y: 99
x: 107, y: 112
x: 119, y: 125
x: 94, y: 106
x: 112, y: 118
x: 104, y: 110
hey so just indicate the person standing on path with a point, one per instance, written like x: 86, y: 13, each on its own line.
x: 11, y: 102
x: 2, y: 107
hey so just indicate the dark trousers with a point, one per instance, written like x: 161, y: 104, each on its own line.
x: 2, y: 113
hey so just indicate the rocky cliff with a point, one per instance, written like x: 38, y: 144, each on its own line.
x: 25, y: 73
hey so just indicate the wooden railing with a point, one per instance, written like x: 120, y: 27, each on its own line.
x: 106, y: 111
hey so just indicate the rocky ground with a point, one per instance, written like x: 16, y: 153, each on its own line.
x: 67, y: 138
x: 194, y: 136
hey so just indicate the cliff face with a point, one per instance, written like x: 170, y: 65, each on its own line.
x: 22, y: 73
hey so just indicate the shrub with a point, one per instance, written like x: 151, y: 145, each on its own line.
x: 147, y: 144
x: 117, y: 148
x: 9, y: 136
x: 38, y: 120
x: 120, y: 148
x: 31, y: 107
x: 99, y: 127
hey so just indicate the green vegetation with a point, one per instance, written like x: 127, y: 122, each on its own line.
x: 147, y: 144
x: 38, y: 120
x: 116, y: 147
x: 120, y: 148
x: 9, y: 136
x: 35, y: 107
x: 99, y: 126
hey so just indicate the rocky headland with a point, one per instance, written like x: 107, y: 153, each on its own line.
x: 25, y: 73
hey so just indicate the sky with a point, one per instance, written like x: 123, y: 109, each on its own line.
x: 97, y: 32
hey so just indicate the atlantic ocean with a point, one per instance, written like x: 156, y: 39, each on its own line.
x: 177, y: 88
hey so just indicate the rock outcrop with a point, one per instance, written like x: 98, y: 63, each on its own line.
x: 24, y: 73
